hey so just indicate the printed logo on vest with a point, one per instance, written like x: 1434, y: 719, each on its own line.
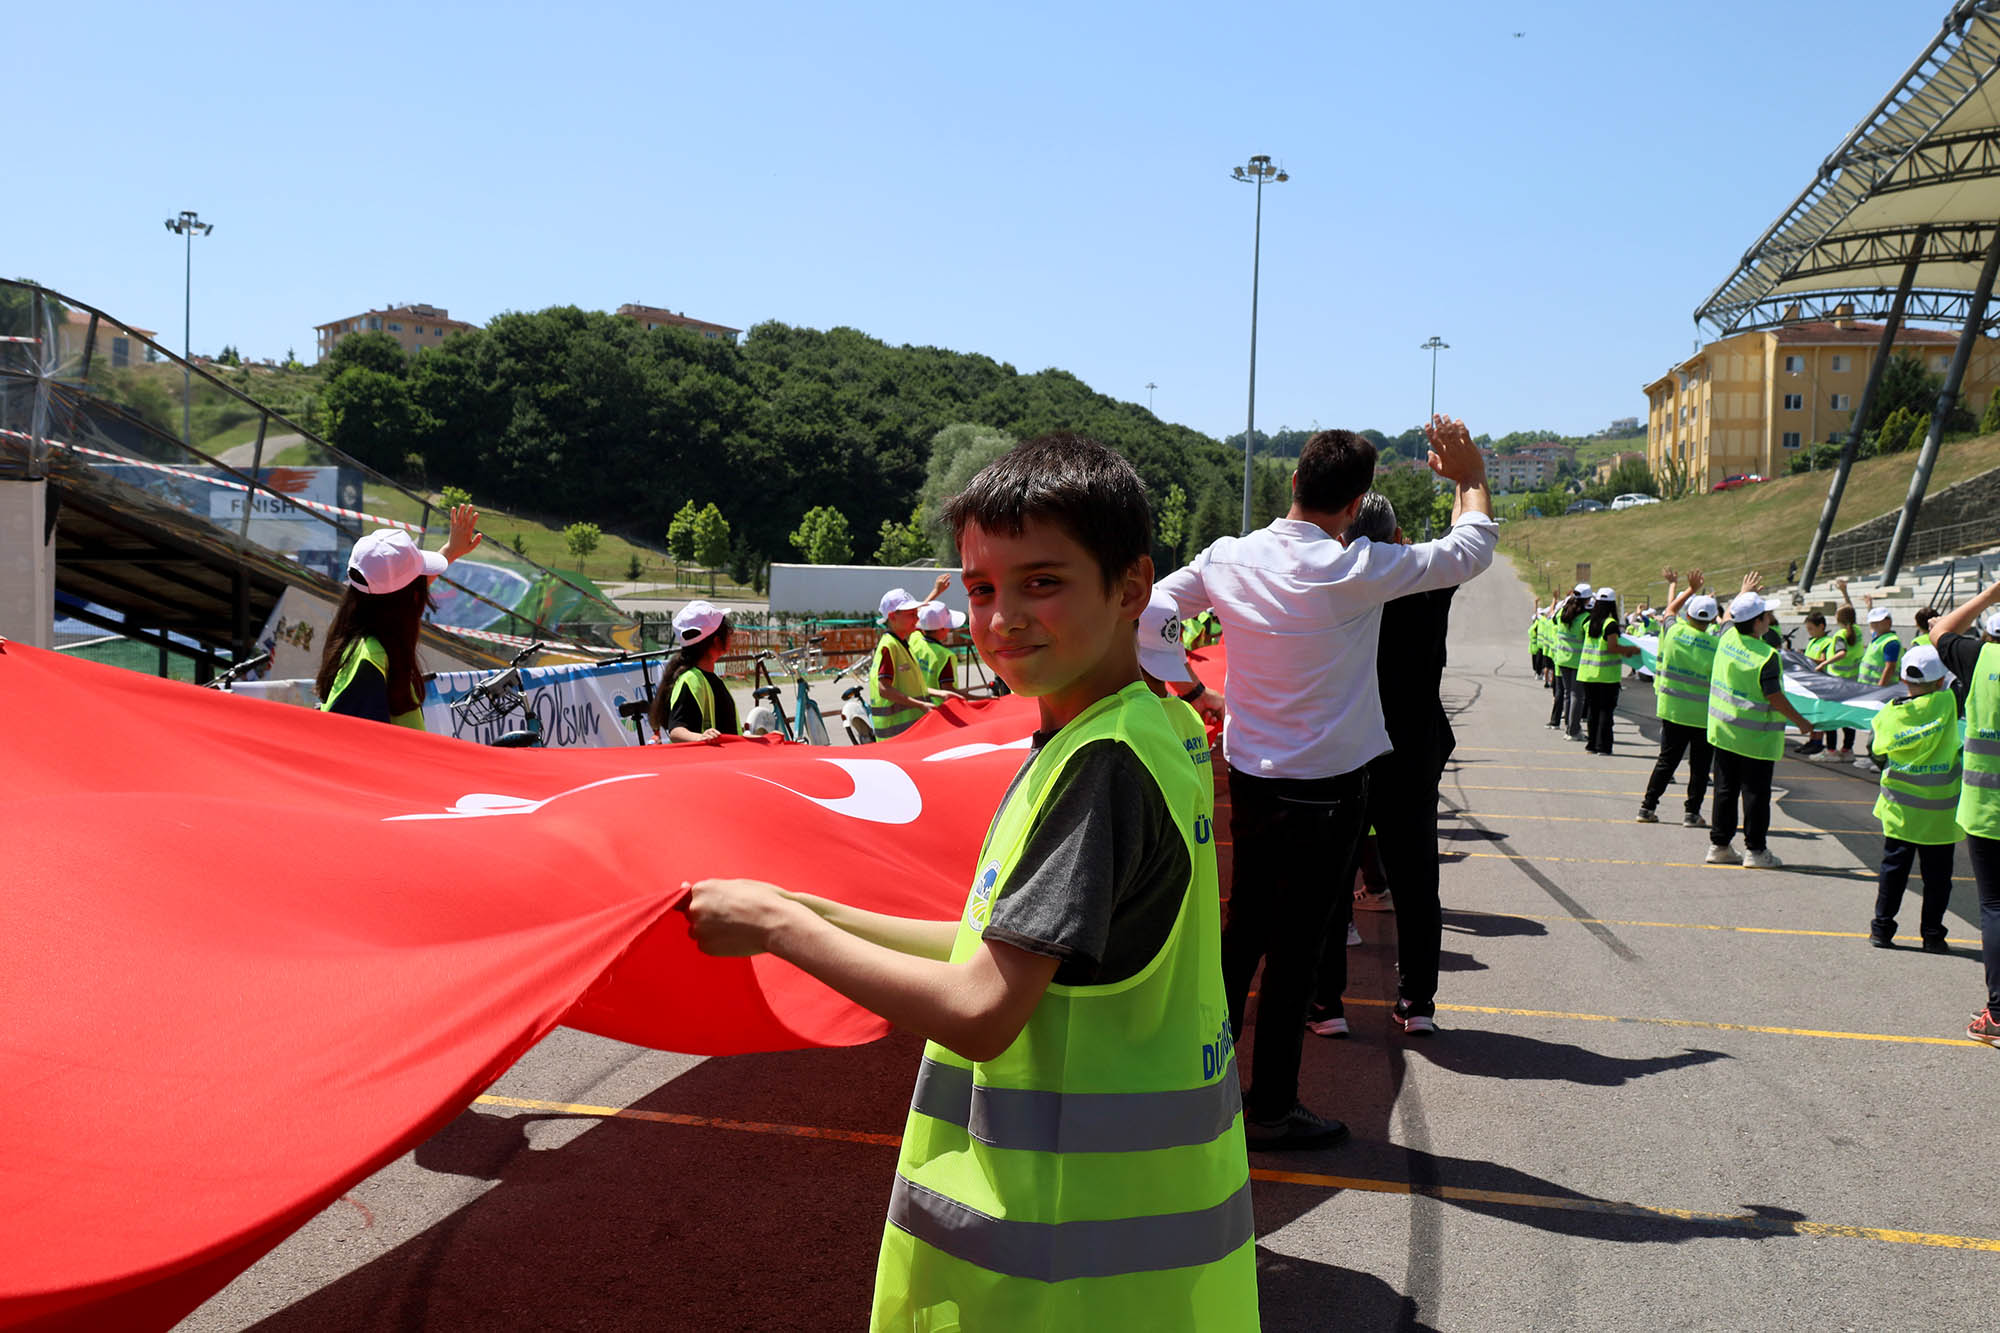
x: 1204, y: 829
x: 979, y: 907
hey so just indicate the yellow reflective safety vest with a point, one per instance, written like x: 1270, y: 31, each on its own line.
x: 1876, y: 658
x: 1979, y: 798
x: 1569, y: 640
x: 1685, y: 663
x: 371, y: 651
x: 1739, y: 719
x: 1917, y: 738
x: 1848, y: 665
x: 694, y: 682
x: 1093, y: 1175
x: 931, y: 658
x: 1599, y: 665
x: 884, y: 715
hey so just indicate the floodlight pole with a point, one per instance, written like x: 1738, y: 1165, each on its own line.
x: 190, y: 225
x: 1256, y: 173
x: 1851, y: 447
x: 1434, y: 346
x: 1920, y: 480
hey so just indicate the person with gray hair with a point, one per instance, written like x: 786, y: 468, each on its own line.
x: 1402, y: 801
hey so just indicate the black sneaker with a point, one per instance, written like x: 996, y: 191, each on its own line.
x: 1413, y: 1024
x: 1693, y: 819
x: 1324, y: 1022
x: 1936, y: 944
x: 1296, y: 1128
x: 1881, y: 940
x: 1813, y: 746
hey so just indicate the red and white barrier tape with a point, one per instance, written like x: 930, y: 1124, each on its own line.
x: 315, y: 505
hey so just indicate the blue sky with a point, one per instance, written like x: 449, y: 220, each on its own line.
x: 1046, y: 184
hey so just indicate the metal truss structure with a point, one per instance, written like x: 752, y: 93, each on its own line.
x: 1925, y: 163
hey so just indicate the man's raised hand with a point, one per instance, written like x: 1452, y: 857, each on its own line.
x: 1453, y: 454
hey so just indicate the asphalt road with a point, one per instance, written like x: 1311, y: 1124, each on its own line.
x: 1666, y: 1096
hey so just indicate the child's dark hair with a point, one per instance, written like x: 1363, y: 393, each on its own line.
x: 1070, y: 480
x: 394, y: 619
x: 687, y: 659
x: 1334, y: 467
x: 1925, y: 615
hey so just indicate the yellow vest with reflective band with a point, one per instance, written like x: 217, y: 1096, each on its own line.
x: 692, y: 681
x: 1092, y: 1176
x: 886, y: 717
x: 1598, y: 664
x: 1921, y: 641
x: 1739, y: 720
x: 1918, y: 740
x: 1569, y: 640
x: 1685, y: 663
x: 1979, y: 798
x: 931, y: 658
x: 1819, y: 647
x: 1877, y: 657
x: 371, y: 651
x: 1849, y: 665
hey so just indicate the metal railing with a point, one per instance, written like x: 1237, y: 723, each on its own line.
x: 1948, y: 540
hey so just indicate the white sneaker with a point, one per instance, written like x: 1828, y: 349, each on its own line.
x: 1760, y: 861
x: 1725, y: 855
x: 1353, y: 935
x: 1865, y: 762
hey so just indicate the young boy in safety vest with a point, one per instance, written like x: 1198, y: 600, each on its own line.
x: 897, y: 694
x: 929, y: 645
x: 1917, y: 740
x: 1074, y: 1154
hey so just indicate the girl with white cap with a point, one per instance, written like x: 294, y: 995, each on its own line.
x: 369, y: 666
x: 1600, y: 668
x: 693, y: 705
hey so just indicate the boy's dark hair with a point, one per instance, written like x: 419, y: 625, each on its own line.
x: 1925, y: 615
x: 1334, y: 467
x: 1068, y: 479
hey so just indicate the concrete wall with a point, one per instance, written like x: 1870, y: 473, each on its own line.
x: 820, y: 590
x: 27, y: 565
x: 1974, y: 499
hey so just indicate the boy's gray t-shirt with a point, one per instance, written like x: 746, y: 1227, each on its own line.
x: 1101, y: 876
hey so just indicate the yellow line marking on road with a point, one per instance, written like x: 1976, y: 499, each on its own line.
x: 1777, y: 793
x: 1690, y: 1023
x: 1600, y: 819
x: 1647, y: 767
x: 1746, y: 1222
x: 1688, y: 925
x: 1447, y: 1193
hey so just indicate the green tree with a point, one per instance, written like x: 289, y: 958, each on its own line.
x: 680, y: 533
x: 582, y: 539
x: 1920, y: 430
x: 902, y: 543
x: 957, y: 453
x: 633, y: 569
x: 520, y: 543
x: 1894, y: 434
x: 822, y: 537
x: 1410, y: 492
x: 1170, y: 520
x: 451, y: 497
x: 1905, y: 386
x: 374, y: 351
x: 369, y: 415
x: 711, y: 537
x: 1632, y: 477
x: 1989, y: 422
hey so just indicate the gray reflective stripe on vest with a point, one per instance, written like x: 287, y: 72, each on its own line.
x: 1944, y: 779
x: 1063, y: 1122
x: 1690, y: 677
x: 1064, y: 1251
x: 1895, y: 797
x: 1976, y: 777
x: 1672, y: 693
x: 1748, y: 724
x: 1979, y: 745
x: 1742, y: 701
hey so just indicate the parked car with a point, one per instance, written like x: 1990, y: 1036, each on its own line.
x: 1585, y: 507
x: 1632, y: 500
x: 1730, y: 483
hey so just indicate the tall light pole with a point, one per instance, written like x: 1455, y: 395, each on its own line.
x: 1150, y: 386
x: 1434, y: 346
x: 190, y: 225
x: 1256, y: 173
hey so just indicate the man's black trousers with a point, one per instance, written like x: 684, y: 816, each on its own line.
x: 1744, y: 780
x: 1292, y: 856
x: 1676, y: 739
x: 1402, y: 805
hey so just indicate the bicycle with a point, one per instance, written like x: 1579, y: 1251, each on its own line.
x: 229, y: 677
x: 494, y: 698
x: 810, y: 725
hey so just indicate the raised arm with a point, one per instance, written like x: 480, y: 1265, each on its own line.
x: 1679, y: 600
x: 1962, y: 618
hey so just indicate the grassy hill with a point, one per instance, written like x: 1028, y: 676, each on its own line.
x: 1763, y: 527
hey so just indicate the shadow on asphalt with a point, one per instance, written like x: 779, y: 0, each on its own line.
x: 1485, y: 1054
x: 1490, y: 925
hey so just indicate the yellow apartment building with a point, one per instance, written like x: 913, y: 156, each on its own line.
x: 1752, y: 401
x: 654, y: 317
x: 117, y: 347
x: 414, y: 327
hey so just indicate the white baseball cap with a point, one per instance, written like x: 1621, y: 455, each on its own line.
x: 1581, y: 590
x: 1923, y: 664
x: 1747, y: 606
x: 696, y: 621
x: 1703, y: 607
x: 1991, y: 623
x: 897, y: 599
x: 1160, y: 651
x: 1879, y: 613
x: 389, y: 560
x: 1607, y: 595
x: 936, y: 615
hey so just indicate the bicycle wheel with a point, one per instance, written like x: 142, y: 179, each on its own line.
x: 812, y: 727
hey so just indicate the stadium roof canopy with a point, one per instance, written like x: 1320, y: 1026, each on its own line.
x: 1920, y: 170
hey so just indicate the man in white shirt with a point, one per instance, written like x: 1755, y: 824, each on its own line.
x: 1300, y: 613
